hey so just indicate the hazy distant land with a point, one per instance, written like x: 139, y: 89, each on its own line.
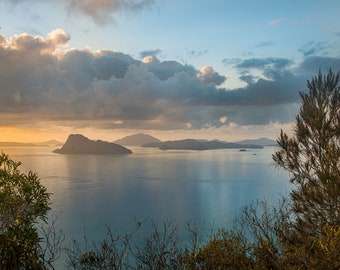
x: 53, y: 142
x: 137, y: 139
x: 79, y: 144
x: 145, y: 140
x: 18, y: 144
x: 21, y: 144
x: 261, y: 141
x: 192, y: 144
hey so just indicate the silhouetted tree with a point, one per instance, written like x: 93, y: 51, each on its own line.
x: 23, y: 203
x: 312, y: 157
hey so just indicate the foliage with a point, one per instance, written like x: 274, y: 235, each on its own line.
x: 160, y: 250
x: 263, y: 225
x: 113, y: 252
x: 227, y: 249
x: 312, y: 157
x: 51, y: 242
x: 157, y: 250
x: 23, y: 203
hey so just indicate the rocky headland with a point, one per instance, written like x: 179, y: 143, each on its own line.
x: 79, y: 144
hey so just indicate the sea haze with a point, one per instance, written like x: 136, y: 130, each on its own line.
x: 210, y: 187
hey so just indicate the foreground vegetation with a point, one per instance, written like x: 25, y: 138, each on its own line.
x: 301, y: 231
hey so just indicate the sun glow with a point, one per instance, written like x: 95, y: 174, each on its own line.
x: 31, y: 135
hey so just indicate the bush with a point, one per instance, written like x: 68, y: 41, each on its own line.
x: 23, y: 203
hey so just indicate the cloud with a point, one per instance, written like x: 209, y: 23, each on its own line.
x: 41, y: 80
x: 248, y: 78
x: 58, y: 37
x: 101, y: 11
x: 223, y: 119
x: 208, y: 76
x: 312, y: 64
x: 166, y: 69
x: 277, y: 21
x: 260, y: 63
x: 146, y: 53
x: 264, y: 44
x: 313, y: 48
x: 231, y: 61
x: 37, y: 44
x: 271, y: 68
x: 193, y: 53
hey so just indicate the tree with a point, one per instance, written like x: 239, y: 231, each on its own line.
x: 24, y: 202
x: 227, y: 249
x: 312, y: 157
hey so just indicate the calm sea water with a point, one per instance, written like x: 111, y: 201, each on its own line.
x: 90, y: 191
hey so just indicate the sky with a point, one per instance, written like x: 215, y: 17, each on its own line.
x: 218, y: 69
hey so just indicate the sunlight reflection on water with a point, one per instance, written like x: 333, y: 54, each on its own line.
x: 91, y: 191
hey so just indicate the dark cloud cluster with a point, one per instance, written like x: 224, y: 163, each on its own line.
x: 40, y: 80
x: 208, y: 76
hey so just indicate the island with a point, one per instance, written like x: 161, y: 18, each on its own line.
x: 260, y: 141
x: 79, y: 144
x: 193, y: 144
x: 137, y: 139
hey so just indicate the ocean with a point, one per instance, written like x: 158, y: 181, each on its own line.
x: 90, y: 192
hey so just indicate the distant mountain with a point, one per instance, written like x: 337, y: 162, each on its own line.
x: 52, y: 142
x: 261, y: 141
x: 137, y: 140
x: 192, y: 144
x: 17, y: 144
x: 79, y: 144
